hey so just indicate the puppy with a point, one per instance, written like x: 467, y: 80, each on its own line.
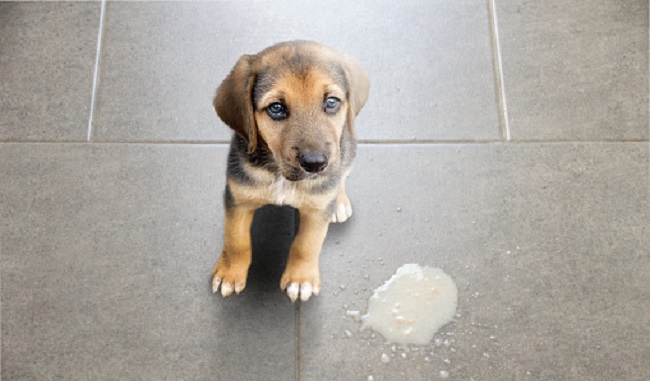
x: 292, y: 107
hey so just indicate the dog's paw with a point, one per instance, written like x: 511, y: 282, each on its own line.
x: 228, y: 278
x: 343, y: 209
x: 297, y: 284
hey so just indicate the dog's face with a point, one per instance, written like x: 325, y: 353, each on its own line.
x: 296, y: 98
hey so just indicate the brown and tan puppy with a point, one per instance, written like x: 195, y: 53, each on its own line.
x: 292, y: 107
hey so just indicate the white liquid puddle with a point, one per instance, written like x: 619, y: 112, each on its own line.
x: 412, y: 305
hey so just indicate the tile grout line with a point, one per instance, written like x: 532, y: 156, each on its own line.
x: 93, y: 98
x: 363, y: 142
x: 498, y: 71
x: 1, y: 302
x: 297, y: 322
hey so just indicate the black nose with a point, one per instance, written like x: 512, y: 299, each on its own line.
x: 313, y: 161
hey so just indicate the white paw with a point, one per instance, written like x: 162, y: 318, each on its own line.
x: 226, y: 287
x: 304, y: 291
x: 343, y: 210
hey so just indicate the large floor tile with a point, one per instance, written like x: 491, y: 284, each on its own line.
x: 47, y: 57
x: 430, y: 64
x: 576, y: 70
x: 105, y: 269
x: 548, y: 244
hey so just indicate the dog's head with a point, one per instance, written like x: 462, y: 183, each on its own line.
x: 298, y: 97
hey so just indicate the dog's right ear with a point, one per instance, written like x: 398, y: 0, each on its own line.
x: 234, y: 101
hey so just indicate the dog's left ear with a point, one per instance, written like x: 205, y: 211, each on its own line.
x: 234, y: 100
x: 358, y: 88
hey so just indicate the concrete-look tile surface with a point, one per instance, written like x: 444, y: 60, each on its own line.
x: 575, y: 70
x: 107, y: 247
x: 47, y: 57
x: 106, y: 259
x: 430, y: 64
x: 548, y: 244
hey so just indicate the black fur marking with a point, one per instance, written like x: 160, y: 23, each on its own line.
x: 264, y: 84
x: 235, y: 168
x: 228, y: 199
x: 238, y: 155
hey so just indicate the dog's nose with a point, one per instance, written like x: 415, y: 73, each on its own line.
x: 313, y: 162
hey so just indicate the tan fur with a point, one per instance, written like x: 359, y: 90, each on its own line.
x: 235, y: 259
x: 300, y: 76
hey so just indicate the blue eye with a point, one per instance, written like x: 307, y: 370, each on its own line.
x: 277, y: 111
x: 332, y: 105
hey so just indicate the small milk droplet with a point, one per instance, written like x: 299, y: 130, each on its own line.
x: 385, y: 359
x: 353, y: 314
x: 399, y: 210
x: 371, y: 378
x: 348, y: 333
x: 444, y: 374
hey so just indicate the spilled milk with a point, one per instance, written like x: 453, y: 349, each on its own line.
x: 412, y: 305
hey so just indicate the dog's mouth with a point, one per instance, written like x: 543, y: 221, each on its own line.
x: 297, y: 174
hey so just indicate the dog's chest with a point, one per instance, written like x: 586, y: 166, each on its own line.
x: 284, y: 192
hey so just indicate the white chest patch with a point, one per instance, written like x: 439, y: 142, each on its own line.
x: 284, y: 192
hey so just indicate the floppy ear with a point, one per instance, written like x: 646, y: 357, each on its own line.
x: 234, y: 101
x: 358, y: 88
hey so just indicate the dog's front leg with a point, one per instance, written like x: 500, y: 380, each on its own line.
x: 231, y: 269
x: 301, y: 276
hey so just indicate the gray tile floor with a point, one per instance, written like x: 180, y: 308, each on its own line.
x: 505, y: 141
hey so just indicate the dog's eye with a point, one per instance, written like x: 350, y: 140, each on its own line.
x: 332, y: 105
x: 276, y: 111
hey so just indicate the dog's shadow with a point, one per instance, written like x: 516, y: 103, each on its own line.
x: 272, y: 233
